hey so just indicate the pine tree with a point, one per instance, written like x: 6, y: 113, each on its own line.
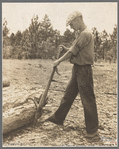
x: 5, y: 28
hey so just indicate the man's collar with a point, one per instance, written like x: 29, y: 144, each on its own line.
x: 79, y: 31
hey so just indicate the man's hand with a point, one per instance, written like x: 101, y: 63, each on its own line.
x: 62, y: 47
x: 62, y: 50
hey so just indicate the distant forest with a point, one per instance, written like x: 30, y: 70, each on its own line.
x: 41, y: 41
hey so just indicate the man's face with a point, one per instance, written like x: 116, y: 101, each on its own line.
x: 75, y: 24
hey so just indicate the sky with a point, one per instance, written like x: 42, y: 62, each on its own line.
x: 102, y: 15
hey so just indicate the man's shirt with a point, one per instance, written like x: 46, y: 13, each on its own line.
x: 83, y: 48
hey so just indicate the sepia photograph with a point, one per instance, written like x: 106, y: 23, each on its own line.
x: 59, y: 74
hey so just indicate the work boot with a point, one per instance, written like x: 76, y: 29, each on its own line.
x: 54, y: 120
x: 91, y: 135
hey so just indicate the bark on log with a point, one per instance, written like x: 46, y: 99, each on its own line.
x: 13, y: 98
x: 19, y: 111
x: 19, y: 116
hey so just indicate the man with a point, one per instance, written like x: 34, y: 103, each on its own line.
x: 81, y: 55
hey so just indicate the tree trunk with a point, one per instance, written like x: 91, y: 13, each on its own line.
x: 19, y: 116
x: 18, y: 110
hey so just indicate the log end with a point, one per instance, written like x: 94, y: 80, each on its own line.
x: 6, y: 83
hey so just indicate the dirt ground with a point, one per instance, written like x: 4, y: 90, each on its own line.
x: 30, y: 75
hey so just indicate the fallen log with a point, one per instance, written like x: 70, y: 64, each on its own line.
x: 18, y: 113
x: 16, y: 98
x: 6, y: 83
x: 17, y: 117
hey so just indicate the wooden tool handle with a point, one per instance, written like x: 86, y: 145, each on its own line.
x: 42, y: 101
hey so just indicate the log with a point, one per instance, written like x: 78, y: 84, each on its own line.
x: 19, y: 111
x: 6, y: 82
x: 17, y: 117
x: 13, y: 98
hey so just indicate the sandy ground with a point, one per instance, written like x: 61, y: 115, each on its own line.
x: 30, y: 75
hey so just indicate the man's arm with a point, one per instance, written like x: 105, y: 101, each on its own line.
x: 66, y: 56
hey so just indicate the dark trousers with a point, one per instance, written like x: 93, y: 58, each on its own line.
x: 81, y: 82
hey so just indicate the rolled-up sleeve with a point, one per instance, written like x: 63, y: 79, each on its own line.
x: 80, y: 42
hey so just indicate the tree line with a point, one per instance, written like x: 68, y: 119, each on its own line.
x: 41, y: 41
